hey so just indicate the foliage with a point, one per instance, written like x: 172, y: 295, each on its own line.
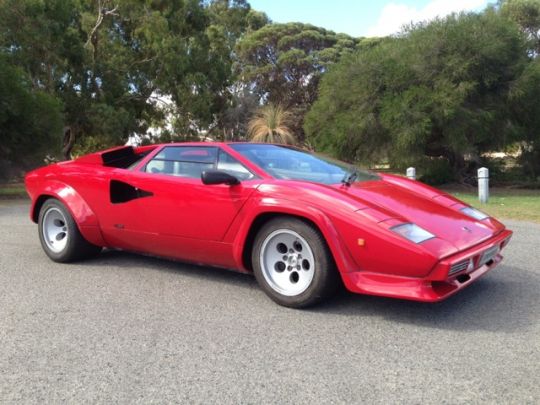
x: 525, y: 96
x: 28, y: 119
x: 234, y: 120
x: 231, y: 120
x: 436, y: 172
x: 526, y: 13
x: 271, y: 124
x: 438, y: 96
x: 106, y: 61
x: 440, y: 90
x: 283, y: 63
x: 525, y: 110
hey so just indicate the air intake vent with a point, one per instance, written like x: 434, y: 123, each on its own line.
x: 456, y: 268
x: 121, y: 192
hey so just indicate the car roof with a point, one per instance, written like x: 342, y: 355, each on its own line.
x: 216, y: 143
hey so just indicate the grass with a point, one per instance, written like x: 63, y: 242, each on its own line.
x: 15, y: 190
x: 507, y: 203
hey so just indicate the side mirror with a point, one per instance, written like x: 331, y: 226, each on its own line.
x: 218, y: 177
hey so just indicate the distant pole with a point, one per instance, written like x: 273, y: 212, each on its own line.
x: 483, y: 185
x: 411, y: 173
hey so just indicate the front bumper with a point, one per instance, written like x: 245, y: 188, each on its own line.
x: 439, y: 284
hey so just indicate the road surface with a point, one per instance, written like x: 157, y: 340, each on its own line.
x: 124, y: 328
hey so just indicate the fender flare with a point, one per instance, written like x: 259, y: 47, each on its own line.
x: 84, y: 216
x: 238, y: 235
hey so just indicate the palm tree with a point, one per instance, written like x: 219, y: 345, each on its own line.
x: 271, y: 124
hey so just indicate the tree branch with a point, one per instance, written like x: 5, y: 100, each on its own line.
x: 102, y: 13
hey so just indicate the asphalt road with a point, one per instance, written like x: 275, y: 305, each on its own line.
x: 123, y: 328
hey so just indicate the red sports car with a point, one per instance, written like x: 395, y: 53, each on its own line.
x: 300, y: 222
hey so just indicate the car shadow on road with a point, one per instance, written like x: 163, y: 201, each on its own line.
x: 128, y: 260
x: 505, y: 300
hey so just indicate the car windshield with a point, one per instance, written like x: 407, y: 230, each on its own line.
x: 289, y: 163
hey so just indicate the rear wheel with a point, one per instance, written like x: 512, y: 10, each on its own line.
x: 293, y: 264
x: 59, y: 235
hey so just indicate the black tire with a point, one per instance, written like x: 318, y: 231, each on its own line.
x: 325, y: 277
x: 75, y: 247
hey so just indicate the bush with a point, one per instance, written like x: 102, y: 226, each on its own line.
x: 436, y: 172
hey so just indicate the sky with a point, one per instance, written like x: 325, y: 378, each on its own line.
x: 362, y: 17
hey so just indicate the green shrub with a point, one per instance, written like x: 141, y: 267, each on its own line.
x: 435, y: 172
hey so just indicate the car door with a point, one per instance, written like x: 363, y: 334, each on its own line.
x: 175, y: 214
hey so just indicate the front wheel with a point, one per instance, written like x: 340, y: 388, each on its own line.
x: 59, y: 235
x: 293, y: 264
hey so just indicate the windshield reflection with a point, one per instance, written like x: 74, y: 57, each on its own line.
x: 288, y: 163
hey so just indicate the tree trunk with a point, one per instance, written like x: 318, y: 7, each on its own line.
x: 459, y: 167
x: 68, y: 143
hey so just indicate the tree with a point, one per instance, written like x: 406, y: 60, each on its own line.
x: 106, y: 61
x: 230, y: 20
x: 233, y: 18
x: 233, y: 122
x: 29, y: 120
x: 525, y: 114
x: 526, y: 13
x: 438, y: 92
x: 524, y: 105
x: 271, y: 124
x: 283, y: 63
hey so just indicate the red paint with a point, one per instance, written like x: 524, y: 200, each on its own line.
x: 187, y: 220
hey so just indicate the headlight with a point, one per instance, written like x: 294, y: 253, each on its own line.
x: 412, y: 232
x: 474, y: 213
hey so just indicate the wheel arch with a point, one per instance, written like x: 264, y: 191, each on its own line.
x: 36, y: 207
x: 84, y: 216
x: 312, y: 216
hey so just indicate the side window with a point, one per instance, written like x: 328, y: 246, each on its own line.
x: 183, y: 161
x: 232, y: 166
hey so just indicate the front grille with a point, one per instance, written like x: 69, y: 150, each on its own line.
x: 460, y: 266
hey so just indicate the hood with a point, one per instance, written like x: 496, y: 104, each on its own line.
x: 393, y: 201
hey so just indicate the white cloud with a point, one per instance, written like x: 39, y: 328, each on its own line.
x: 394, y: 15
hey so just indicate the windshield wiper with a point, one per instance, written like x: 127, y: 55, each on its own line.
x: 349, y: 177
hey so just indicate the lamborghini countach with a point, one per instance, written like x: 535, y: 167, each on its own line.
x: 302, y: 223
